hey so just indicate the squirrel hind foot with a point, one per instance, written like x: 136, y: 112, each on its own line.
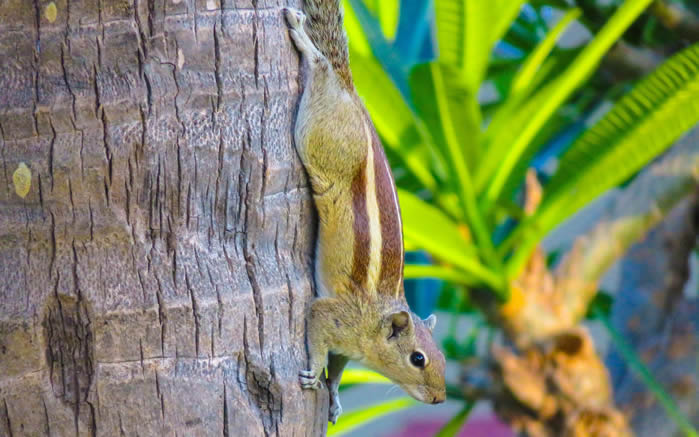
x: 294, y: 17
x: 296, y: 20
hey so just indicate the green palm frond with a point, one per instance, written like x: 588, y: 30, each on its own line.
x: 640, y: 126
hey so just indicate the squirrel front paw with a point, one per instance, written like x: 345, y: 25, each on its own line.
x: 309, y: 380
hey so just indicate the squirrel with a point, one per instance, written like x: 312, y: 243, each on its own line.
x: 361, y: 313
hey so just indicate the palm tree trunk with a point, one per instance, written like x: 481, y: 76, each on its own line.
x: 155, y: 243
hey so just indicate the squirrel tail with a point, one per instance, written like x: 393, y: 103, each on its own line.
x: 324, y: 26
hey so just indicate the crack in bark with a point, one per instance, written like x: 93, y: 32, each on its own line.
x: 256, y: 45
x: 35, y: 75
x: 162, y: 318
x: 217, y: 66
x: 256, y: 294
x: 219, y: 305
x: 160, y: 395
x: 195, y: 312
x: 51, y: 151
x: 47, y: 429
x: 65, y: 78
x: 7, y: 418
x: 67, y: 328
x: 225, y: 409
x: 219, y: 173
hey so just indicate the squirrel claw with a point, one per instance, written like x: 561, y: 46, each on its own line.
x: 309, y: 380
x: 295, y: 17
x: 335, y: 409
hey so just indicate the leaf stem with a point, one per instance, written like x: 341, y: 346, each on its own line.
x: 457, y: 422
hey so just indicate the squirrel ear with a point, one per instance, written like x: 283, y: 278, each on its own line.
x: 430, y: 322
x: 398, y: 322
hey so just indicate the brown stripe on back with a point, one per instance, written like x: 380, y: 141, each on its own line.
x: 391, y: 228
x: 360, y: 260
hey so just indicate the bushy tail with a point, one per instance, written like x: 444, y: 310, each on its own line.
x: 324, y: 26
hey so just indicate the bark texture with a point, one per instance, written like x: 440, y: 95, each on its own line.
x: 657, y: 310
x: 156, y: 273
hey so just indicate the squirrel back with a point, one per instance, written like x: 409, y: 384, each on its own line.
x: 324, y: 27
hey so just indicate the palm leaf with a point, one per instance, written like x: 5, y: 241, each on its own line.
x: 509, y: 146
x: 461, y: 104
x: 460, y: 170
x: 633, y: 126
x: 450, y: 19
x: 358, y: 42
x: 638, y: 128
x: 417, y: 271
x: 466, y: 34
x: 525, y: 76
x: 457, y: 422
x: 352, y: 377
x: 386, y: 11
x: 430, y: 229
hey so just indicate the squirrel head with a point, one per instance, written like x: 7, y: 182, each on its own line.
x: 406, y: 353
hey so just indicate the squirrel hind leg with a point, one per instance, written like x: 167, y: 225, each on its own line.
x: 303, y: 42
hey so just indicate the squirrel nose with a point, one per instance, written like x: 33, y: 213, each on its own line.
x: 438, y: 400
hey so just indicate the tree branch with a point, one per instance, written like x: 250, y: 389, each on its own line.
x: 681, y: 21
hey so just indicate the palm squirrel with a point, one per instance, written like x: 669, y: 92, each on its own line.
x: 361, y: 313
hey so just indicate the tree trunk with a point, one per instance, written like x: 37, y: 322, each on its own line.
x: 155, y: 223
x: 656, y: 310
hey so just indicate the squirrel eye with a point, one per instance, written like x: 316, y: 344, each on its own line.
x: 417, y: 359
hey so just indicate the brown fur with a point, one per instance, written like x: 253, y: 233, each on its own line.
x: 391, y: 279
x: 324, y: 27
x: 361, y: 313
x: 360, y: 331
x: 360, y: 228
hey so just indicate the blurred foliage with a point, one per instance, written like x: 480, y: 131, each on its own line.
x: 454, y: 425
x: 467, y: 95
x: 352, y: 377
x: 352, y: 420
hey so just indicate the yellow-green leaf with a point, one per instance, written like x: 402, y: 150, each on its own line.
x: 51, y: 12
x: 416, y: 271
x: 354, y: 419
x: 511, y: 144
x: 429, y: 228
x: 363, y: 376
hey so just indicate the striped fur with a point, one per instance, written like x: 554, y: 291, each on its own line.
x: 350, y: 177
x: 392, y: 252
x: 377, y: 263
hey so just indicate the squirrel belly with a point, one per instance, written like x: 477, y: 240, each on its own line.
x: 361, y: 312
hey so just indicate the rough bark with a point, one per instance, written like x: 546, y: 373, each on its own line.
x: 656, y: 310
x: 156, y: 275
